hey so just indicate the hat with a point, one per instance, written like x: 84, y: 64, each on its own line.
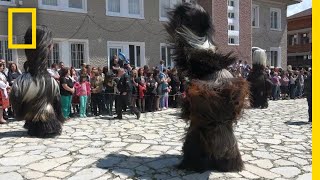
x: 260, y: 57
x: 162, y: 75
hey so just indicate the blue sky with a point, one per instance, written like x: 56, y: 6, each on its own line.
x: 293, y: 9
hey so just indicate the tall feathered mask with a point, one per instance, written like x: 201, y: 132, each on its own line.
x: 190, y: 30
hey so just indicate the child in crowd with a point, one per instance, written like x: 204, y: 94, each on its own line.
x: 166, y: 90
x: 83, y: 91
x: 142, y: 87
x: 110, y: 86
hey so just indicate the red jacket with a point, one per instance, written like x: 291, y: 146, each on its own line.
x: 142, y: 90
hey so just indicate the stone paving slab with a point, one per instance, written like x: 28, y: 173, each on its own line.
x: 275, y: 143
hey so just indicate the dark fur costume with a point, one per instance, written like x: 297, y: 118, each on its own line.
x: 214, y: 98
x: 260, y: 87
x: 260, y: 84
x: 35, y: 95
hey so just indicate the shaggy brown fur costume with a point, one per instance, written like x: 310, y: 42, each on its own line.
x: 214, y: 99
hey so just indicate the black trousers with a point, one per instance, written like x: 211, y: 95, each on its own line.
x: 109, y: 99
x: 96, y: 102
x: 125, y: 100
x: 309, y: 99
x: 150, y: 98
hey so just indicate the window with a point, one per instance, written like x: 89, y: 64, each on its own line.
x: 8, y: 2
x: 231, y: 40
x: 255, y: 16
x: 165, y: 6
x: 134, y: 7
x: 76, y: 4
x: 5, y: 53
x: 231, y: 3
x: 125, y: 8
x: 293, y: 40
x: 233, y: 22
x: 231, y: 27
x: 50, y: 2
x: 134, y: 52
x: 64, y: 5
x: 275, y: 56
x: 54, y: 56
x: 304, y: 39
x: 166, y: 54
x: 77, y: 55
x: 231, y: 15
x: 275, y: 15
x: 114, y: 6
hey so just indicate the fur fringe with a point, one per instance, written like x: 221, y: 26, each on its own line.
x: 214, y: 100
x: 210, y: 142
x: 37, y: 101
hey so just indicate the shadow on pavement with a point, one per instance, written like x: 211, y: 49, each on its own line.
x: 13, y: 134
x: 297, y: 123
x: 160, y: 167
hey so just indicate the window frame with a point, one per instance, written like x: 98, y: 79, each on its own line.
x: 278, y: 11
x: 65, y: 50
x: 161, y: 18
x: 51, y: 54
x: 167, y: 46
x: 63, y: 5
x: 233, y: 16
x: 279, y: 60
x: 256, y: 16
x: 8, y: 3
x: 14, y: 51
x: 124, y: 46
x: 124, y: 12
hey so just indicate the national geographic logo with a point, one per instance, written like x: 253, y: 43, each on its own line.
x: 33, y: 12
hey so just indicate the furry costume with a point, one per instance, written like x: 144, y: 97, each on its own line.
x: 35, y: 94
x: 214, y: 98
x: 260, y: 85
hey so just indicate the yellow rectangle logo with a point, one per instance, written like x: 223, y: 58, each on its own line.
x: 33, y: 12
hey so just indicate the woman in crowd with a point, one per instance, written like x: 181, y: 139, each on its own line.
x: 156, y: 76
x: 66, y: 91
x: 96, y: 93
x: 75, y: 99
x: 110, y: 86
x: 4, y: 98
x: 175, y: 85
x: 13, y: 73
x: 151, y: 92
x: 141, y: 80
x: 293, y: 88
x: 135, y: 92
x: 284, y: 85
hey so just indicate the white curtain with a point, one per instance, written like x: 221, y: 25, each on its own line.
x: 75, y: 4
x: 114, y: 6
x: 134, y: 6
x: 50, y: 2
x: 165, y: 6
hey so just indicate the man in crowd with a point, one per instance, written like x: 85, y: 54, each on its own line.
x: 124, y: 87
x: 6, y: 70
x: 54, y: 71
x: 61, y: 66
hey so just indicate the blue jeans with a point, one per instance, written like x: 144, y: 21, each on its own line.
x: 276, y: 92
x: 162, y: 103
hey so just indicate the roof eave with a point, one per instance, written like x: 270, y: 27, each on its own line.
x: 294, y: 2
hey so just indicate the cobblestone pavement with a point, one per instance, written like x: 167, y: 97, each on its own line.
x: 275, y: 144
